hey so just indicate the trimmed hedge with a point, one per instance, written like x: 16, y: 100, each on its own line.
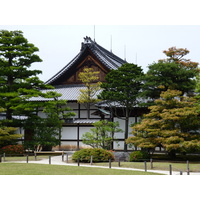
x: 12, y: 149
x: 138, y: 156
x: 99, y: 155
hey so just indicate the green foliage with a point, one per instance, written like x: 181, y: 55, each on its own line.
x: 123, y: 85
x: 197, y: 90
x: 87, y: 96
x: 102, y: 135
x: 47, y: 131
x: 12, y: 149
x: 163, y: 76
x: 17, y: 82
x: 137, y: 156
x: 123, y: 89
x: 98, y: 155
x: 175, y: 73
x: 8, y: 135
x: 172, y: 123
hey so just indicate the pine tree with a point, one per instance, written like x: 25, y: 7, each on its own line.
x: 17, y: 82
x: 122, y: 90
x: 46, y: 131
x: 8, y: 135
x: 102, y: 135
x: 175, y: 73
x: 87, y: 96
x: 172, y: 123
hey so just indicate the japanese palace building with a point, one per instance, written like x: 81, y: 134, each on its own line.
x: 67, y: 83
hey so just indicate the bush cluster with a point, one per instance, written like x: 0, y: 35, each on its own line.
x: 13, y: 149
x: 138, y: 156
x: 98, y: 155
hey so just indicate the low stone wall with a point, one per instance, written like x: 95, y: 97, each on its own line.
x: 123, y: 156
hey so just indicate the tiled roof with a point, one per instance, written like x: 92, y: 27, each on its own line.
x: 69, y: 93
x: 110, y: 60
x: 85, y: 121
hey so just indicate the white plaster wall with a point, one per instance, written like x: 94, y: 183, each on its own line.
x: 122, y: 126
x: 118, y: 145
x: 83, y: 114
x: 69, y: 133
x: 72, y: 105
x: 83, y: 130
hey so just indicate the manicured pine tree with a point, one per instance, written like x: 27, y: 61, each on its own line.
x: 46, y: 131
x: 172, y: 123
x: 17, y: 82
x: 122, y: 90
x: 8, y: 134
x: 175, y: 73
x: 102, y: 135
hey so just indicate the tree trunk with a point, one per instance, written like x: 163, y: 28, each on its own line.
x: 126, y: 129
x: 172, y: 154
x: 9, y: 114
x: 88, y: 110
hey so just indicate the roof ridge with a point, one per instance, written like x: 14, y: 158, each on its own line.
x: 109, y: 59
x: 111, y: 53
x: 64, y: 68
x: 88, y: 40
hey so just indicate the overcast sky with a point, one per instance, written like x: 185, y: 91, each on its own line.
x: 140, y: 44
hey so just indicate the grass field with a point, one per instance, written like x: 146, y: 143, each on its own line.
x: 194, y: 167
x: 42, y: 169
x: 23, y: 158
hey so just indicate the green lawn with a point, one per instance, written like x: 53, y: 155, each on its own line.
x: 43, y: 169
x: 194, y: 167
x: 23, y: 158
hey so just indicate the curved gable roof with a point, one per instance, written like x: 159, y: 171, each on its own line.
x: 108, y: 59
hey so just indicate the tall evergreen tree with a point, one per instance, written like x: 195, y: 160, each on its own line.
x: 17, y: 82
x: 122, y: 91
x: 175, y: 73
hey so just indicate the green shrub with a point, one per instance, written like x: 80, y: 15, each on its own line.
x: 13, y: 149
x: 99, y: 155
x: 138, y: 156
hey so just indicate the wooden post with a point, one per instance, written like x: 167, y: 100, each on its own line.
x: 145, y: 166
x: 119, y: 162
x: 170, y: 169
x: 78, y: 161
x: 181, y: 173
x: 109, y: 163
x: 62, y: 156
x: 26, y: 158
x: 151, y: 161
x: 66, y: 157
x: 91, y: 159
x: 4, y: 157
x: 35, y: 154
x: 0, y: 158
x: 49, y: 159
x: 188, y: 168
